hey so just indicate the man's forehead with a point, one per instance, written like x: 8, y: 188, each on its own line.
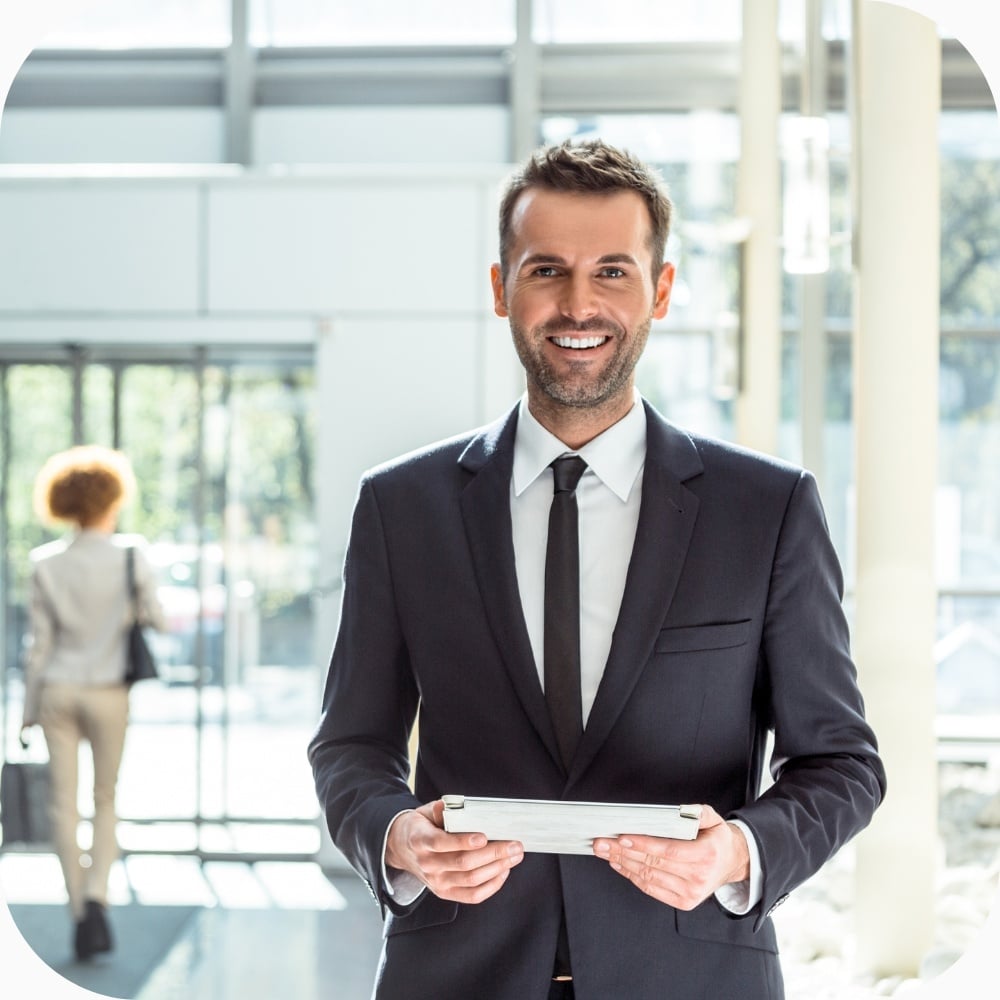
x: 616, y: 200
x: 545, y: 221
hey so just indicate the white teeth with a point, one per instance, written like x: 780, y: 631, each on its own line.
x: 579, y: 343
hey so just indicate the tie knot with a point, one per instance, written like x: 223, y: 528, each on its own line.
x: 566, y: 473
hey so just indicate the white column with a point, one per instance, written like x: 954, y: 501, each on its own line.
x: 758, y: 199
x: 525, y: 87
x: 897, y: 81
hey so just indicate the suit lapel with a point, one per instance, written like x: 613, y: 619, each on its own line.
x: 667, y: 516
x: 485, y: 504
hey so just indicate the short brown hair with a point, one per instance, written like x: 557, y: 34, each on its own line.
x: 590, y: 167
x: 82, y: 484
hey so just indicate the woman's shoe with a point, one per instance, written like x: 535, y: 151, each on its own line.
x: 93, y: 935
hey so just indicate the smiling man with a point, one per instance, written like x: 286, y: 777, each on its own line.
x: 579, y: 314
x: 586, y: 603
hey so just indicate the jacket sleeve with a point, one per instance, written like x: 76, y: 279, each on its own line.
x: 41, y: 628
x: 150, y: 608
x: 828, y: 778
x: 359, y: 753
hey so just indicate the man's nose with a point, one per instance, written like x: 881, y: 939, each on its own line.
x: 578, y: 300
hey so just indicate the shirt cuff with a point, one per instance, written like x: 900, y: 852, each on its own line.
x: 402, y: 886
x: 741, y: 897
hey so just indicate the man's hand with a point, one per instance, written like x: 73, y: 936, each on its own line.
x: 463, y: 867
x: 682, y: 873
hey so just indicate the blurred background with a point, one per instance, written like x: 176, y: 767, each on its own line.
x: 247, y: 242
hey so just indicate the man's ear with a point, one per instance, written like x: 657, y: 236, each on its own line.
x: 664, y: 285
x: 496, y: 280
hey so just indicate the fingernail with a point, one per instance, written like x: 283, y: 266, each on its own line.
x: 625, y: 842
x: 515, y: 850
x: 602, y: 847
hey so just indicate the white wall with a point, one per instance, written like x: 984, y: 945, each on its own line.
x: 355, y: 241
x: 112, y: 135
x: 468, y: 134
x: 328, y: 135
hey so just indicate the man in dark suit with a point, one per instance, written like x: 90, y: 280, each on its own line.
x: 709, y: 597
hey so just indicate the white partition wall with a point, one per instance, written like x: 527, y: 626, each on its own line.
x: 356, y: 245
x: 98, y: 246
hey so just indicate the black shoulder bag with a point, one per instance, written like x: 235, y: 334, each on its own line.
x: 139, y: 662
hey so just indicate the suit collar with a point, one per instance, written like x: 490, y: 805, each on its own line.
x: 493, y: 442
x: 485, y: 506
x: 666, y: 445
x: 667, y: 517
x: 670, y: 447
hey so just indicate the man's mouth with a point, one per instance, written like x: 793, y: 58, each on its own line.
x: 579, y: 343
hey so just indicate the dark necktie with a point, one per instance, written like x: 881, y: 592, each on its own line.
x: 562, y: 608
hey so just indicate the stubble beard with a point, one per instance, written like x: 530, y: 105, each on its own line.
x: 585, y: 391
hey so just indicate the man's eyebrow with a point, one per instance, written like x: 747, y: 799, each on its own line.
x: 618, y: 258
x: 542, y: 258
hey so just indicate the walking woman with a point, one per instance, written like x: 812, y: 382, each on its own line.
x: 80, y: 612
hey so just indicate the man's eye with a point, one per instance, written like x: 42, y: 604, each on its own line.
x: 545, y: 271
x: 612, y: 272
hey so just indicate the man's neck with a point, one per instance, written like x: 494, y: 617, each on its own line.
x: 575, y: 426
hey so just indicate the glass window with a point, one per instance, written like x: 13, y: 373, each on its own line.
x: 970, y: 219
x: 38, y: 431
x: 98, y: 419
x: 157, y: 24
x: 637, y: 21
x: 583, y: 21
x: 676, y: 374
x: 380, y: 22
x: 968, y: 525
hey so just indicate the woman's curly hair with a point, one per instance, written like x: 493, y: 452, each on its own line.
x: 82, y: 484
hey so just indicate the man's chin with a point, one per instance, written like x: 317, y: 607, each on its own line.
x: 579, y: 397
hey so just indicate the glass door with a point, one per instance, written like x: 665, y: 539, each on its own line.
x: 222, y: 446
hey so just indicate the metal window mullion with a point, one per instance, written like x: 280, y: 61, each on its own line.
x: 228, y: 631
x: 199, y: 639
x: 78, y: 361
x: 116, y: 404
x: 239, y: 87
x: 525, y: 86
x: 5, y: 617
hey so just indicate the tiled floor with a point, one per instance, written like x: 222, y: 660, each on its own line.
x: 265, y: 931
x: 285, y: 931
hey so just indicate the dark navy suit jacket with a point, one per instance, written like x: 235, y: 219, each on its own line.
x: 730, y: 625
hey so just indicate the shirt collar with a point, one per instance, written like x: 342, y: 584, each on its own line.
x: 615, y: 456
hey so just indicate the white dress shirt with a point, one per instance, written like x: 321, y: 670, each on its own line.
x: 608, y: 500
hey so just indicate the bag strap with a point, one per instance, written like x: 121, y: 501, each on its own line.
x: 130, y: 577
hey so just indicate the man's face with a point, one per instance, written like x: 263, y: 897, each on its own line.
x: 579, y: 293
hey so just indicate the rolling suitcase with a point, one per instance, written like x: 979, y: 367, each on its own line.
x: 24, y: 804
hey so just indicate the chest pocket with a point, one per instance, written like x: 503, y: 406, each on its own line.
x: 691, y: 638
